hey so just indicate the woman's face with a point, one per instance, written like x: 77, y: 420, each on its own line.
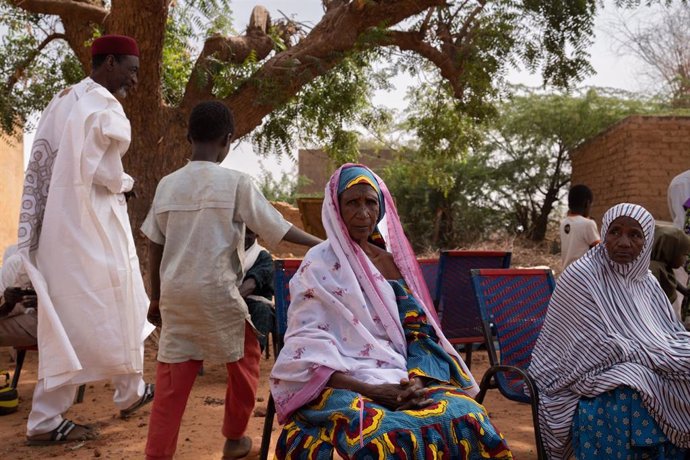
x: 624, y: 240
x: 359, y: 208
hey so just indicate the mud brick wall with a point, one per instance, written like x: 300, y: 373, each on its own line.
x: 317, y: 167
x: 634, y: 161
x: 11, y: 181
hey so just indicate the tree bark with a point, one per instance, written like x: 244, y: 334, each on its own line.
x: 159, y: 143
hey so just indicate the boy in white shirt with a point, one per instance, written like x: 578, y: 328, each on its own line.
x: 196, y: 229
x: 578, y: 232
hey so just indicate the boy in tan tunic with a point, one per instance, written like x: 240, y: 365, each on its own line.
x: 196, y: 230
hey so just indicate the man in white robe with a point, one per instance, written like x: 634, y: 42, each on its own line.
x: 76, y: 243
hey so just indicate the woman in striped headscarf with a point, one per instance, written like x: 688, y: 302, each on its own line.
x: 612, y: 362
x: 365, y: 370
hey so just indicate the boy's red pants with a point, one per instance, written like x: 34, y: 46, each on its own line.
x: 174, y: 383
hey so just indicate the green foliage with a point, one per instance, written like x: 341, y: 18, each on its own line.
x: 190, y: 22
x: 41, y: 76
x: 177, y: 55
x: 457, y: 182
x: 228, y: 77
x: 326, y: 111
x: 530, y: 144
x: 460, y: 214
x: 439, y: 181
x: 283, y: 188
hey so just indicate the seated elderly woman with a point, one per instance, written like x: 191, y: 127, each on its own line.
x: 612, y: 362
x: 365, y: 369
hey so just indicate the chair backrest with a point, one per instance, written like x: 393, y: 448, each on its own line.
x: 284, y: 269
x: 513, y: 305
x: 456, y: 302
x: 429, y: 268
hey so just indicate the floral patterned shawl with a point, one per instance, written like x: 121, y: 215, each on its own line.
x: 344, y: 314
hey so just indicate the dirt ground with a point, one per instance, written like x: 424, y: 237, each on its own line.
x: 200, y: 436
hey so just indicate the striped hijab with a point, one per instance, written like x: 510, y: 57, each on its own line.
x: 611, y: 325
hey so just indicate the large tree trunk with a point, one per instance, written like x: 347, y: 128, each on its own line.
x: 541, y: 222
x: 159, y: 132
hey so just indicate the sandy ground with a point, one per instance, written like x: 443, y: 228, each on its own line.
x: 200, y: 436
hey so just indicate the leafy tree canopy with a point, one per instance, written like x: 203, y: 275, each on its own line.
x: 458, y: 181
x: 288, y: 83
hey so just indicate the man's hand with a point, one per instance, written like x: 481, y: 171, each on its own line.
x: 154, y: 314
x: 13, y: 295
x: 30, y: 301
x: 247, y: 287
x: 131, y: 194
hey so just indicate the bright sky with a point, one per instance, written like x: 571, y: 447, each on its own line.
x: 612, y: 69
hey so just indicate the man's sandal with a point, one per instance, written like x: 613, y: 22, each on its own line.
x: 146, y: 398
x: 239, y: 448
x: 67, y: 431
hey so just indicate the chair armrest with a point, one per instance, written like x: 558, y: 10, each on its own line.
x: 487, y: 384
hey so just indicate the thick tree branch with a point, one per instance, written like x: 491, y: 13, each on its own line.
x: 338, y: 33
x: 233, y: 50
x: 21, y: 67
x: 83, y: 11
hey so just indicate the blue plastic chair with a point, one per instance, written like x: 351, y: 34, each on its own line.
x: 456, y: 303
x: 513, y: 305
x: 284, y: 270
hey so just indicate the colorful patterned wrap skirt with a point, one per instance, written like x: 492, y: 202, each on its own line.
x: 615, y: 425
x: 455, y: 426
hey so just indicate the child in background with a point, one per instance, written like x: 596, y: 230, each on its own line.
x: 578, y: 232
x: 257, y: 286
x: 196, y: 231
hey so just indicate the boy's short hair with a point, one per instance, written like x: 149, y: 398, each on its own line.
x: 210, y: 121
x: 578, y: 196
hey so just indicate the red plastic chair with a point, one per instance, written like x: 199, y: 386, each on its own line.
x: 430, y: 272
x: 457, y: 306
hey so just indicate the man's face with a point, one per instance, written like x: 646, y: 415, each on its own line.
x: 123, y: 75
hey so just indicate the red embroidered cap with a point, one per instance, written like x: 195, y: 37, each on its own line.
x: 114, y: 44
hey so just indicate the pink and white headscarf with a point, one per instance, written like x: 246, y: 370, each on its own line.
x: 344, y: 314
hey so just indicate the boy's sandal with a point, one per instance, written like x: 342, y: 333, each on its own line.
x: 146, y: 398
x: 66, y: 431
x: 239, y: 449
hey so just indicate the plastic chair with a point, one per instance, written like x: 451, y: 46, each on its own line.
x: 19, y: 363
x: 284, y: 270
x: 456, y: 303
x: 513, y: 305
x: 430, y: 272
